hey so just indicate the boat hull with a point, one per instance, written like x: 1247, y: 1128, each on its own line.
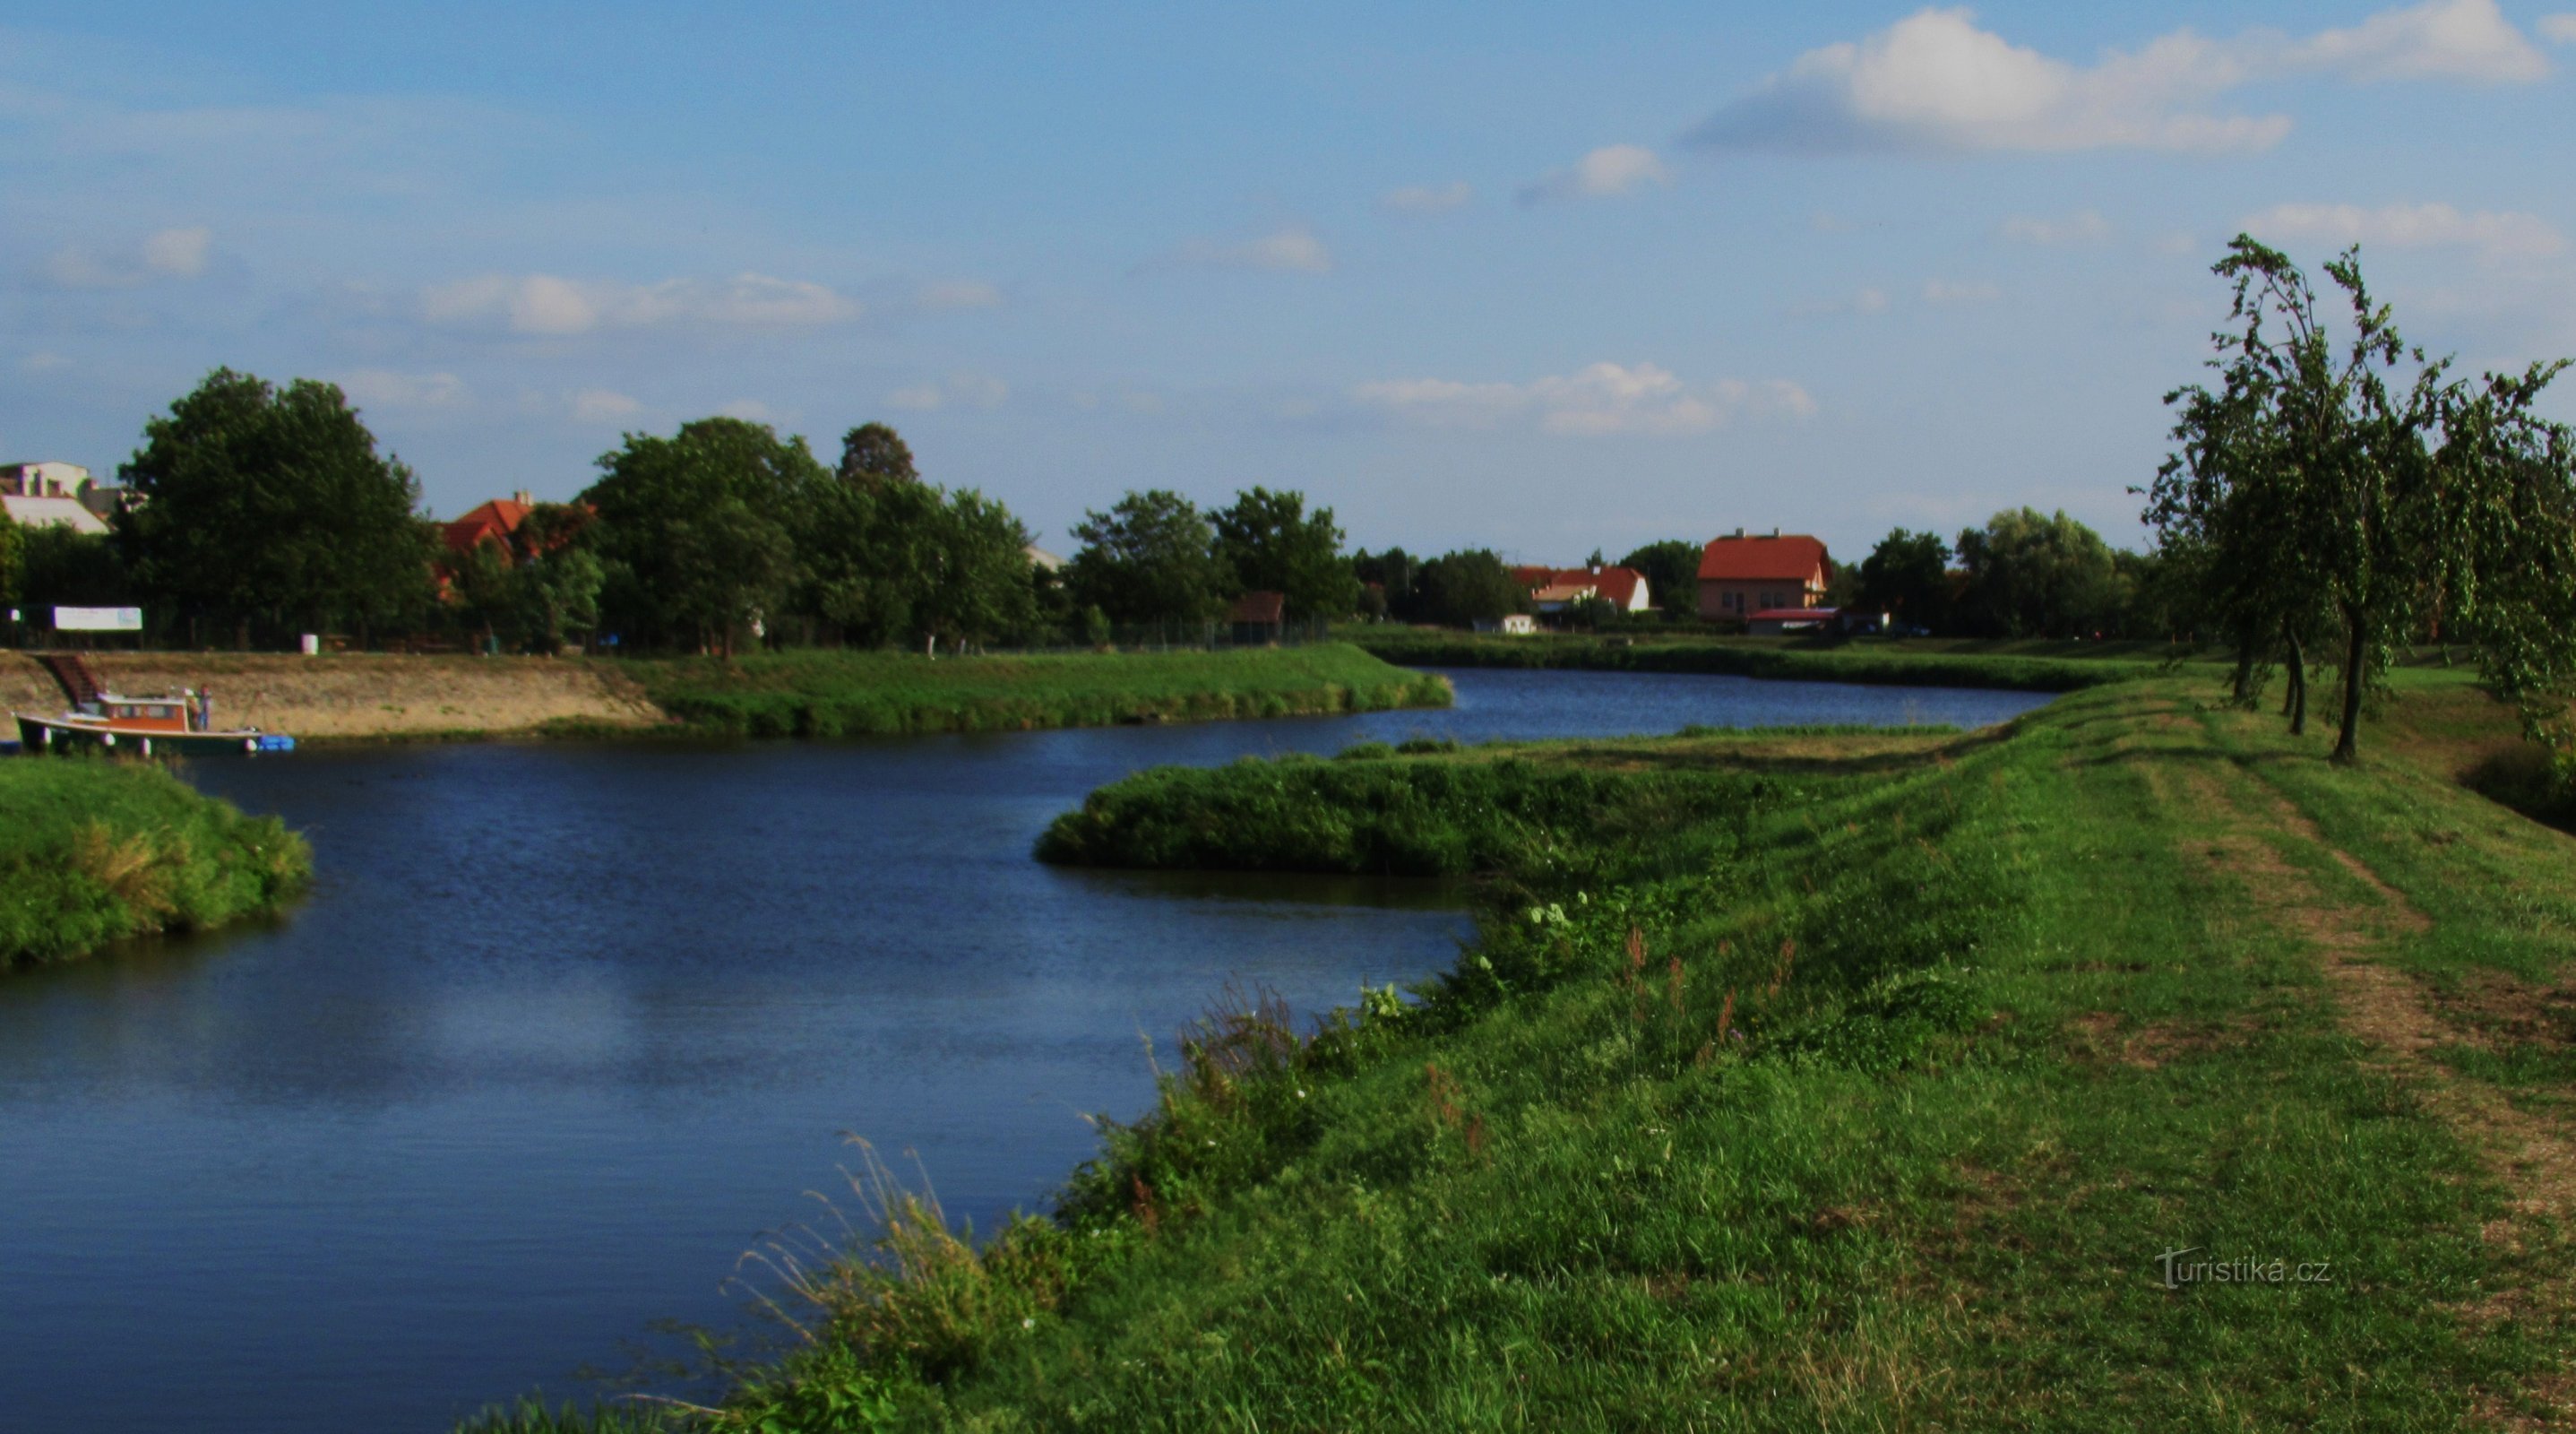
x: 58, y: 734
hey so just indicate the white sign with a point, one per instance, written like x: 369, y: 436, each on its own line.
x: 98, y: 619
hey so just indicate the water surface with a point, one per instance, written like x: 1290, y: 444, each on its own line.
x: 563, y: 1028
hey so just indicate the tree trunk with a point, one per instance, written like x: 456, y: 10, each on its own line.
x: 2356, y: 656
x: 2298, y: 699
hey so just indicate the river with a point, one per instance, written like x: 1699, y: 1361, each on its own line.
x: 563, y: 1028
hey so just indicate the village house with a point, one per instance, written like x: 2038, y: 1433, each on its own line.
x: 494, y: 522
x: 1555, y: 591
x: 1740, y: 576
x: 49, y: 495
x: 1258, y: 616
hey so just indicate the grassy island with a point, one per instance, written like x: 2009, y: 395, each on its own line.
x: 95, y: 851
x: 817, y: 693
x: 2022, y: 666
x: 2053, y: 1075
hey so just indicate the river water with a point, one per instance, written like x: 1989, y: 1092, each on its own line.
x: 564, y: 1028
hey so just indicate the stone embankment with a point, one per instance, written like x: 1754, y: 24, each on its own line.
x: 361, y: 695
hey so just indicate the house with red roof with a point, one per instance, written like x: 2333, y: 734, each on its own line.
x: 1555, y: 590
x: 494, y: 522
x: 1740, y: 575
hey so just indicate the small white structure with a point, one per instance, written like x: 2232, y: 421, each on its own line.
x: 1782, y: 621
x: 1043, y: 560
x: 1518, y: 624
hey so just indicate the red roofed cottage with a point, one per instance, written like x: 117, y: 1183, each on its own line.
x: 1740, y: 576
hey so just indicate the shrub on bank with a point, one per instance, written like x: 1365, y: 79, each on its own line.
x: 96, y: 850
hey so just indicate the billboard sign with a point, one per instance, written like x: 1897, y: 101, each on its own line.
x: 98, y: 619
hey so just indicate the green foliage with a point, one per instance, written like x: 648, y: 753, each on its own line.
x: 1671, y: 568
x: 1908, y: 574
x: 1464, y: 588
x: 874, y: 453
x: 1151, y: 558
x: 260, y: 507
x: 1271, y: 544
x: 60, y: 565
x: 1392, y: 572
x: 96, y: 851
x: 12, y: 565
x: 695, y: 528
x: 815, y: 693
x: 2344, y: 488
x: 2035, y: 575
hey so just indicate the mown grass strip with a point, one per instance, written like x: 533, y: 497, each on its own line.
x: 1884, y: 663
x: 833, y: 694
x: 94, y: 851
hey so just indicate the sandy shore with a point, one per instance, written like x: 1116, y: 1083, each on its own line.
x: 360, y: 694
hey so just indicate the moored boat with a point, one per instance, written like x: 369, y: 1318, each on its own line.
x: 146, y: 726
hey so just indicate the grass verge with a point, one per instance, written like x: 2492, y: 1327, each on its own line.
x: 831, y: 694
x: 2126, y: 1066
x: 2023, y: 667
x: 94, y: 851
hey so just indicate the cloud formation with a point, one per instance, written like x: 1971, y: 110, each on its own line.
x: 1603, y: 398
x: 1936, y: 83
x: 2493, y: 234
x: 957, y: 390
x: 163, y: 254
x: 543, y: 304
x: 2083, y: 227
x: 1290, y: 250
x: 603, y: 405
x: 1424, y: 199
x: 2558, y: 29
x: 1605, y: 173
x: 1960, y: 291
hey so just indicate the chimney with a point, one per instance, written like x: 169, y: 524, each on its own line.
x: 522, y: 499
x: 1774, y: 532
x: 1739, y: 532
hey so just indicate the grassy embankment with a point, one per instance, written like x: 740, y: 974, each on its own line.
x: 1815, y: 1081
x: 830, y: 694
x: 93, y: 851
x: 2032, y: 666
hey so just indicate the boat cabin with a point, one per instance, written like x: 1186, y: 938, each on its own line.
x: 152, y: 714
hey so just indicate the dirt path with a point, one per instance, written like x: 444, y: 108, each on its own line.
x: 361, y: 694
x: 2391, y: 1012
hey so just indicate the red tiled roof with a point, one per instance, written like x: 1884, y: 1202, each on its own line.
x: 1795, y: 558
x: 495, y: 520
x: 1619, y: 585
x: 1260, y: 607
x: 1530, y: 576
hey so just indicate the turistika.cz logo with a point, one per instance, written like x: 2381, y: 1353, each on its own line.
x: 2180, y: 1270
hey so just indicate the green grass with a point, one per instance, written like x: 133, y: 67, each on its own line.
x: 1779, y: 1092
x: 94, y: 851
x: 830, y: 693
x: 1911, y: 662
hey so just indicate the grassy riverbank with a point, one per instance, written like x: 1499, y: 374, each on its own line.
x: 830, y: 694
x: 1817, y: 1081
x: 93, y: 851
x: 1911, y: 662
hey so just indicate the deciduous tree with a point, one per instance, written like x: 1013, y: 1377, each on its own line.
x: 1150, y: 558
x: 1273, y: 545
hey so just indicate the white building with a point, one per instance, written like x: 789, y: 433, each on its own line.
x: 50, y: 512
x: 42, y: 480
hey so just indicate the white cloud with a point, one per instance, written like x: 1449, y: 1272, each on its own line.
x: 1428, y: 198
x: 752, y: 410
x: 2084, y: 227
x: 547, y: 305
x: 603, y: 405
x: 2558, y: 29
x: 1604, y: 398
x: 2494, y: 234
x: 2442, y: 40
x: 163, y: 254
x: 1604, y: 173
x: 1936, y: 82
x: 180, y: 253
x: 43, y: 361
x: 2178, y: 242
x: 1291, y: 250
x: 1960, y: 291
x: 383, y: 388
x: 961, y: 294
x: 957, y: 390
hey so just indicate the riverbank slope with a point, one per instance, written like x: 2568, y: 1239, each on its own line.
x: 95, y: 851
x: 2056, y: 1074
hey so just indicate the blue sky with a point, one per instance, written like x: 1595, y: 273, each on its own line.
x: 1539, y: 278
